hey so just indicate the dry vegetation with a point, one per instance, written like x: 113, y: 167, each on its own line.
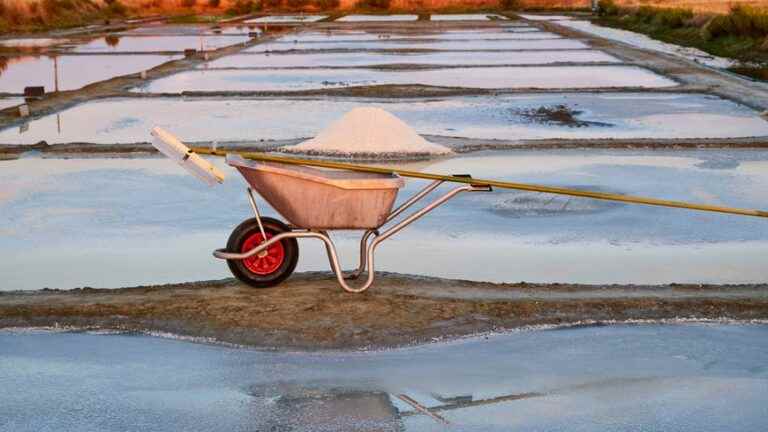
x: 35, y: 15
x: 742, y: 33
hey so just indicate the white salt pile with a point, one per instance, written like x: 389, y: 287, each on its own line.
x: 369, y: 131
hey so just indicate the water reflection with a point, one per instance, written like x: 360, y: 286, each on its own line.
x: 112, y: 40
x: 65, y: 72
x: 552, y: 77
x: 659, y: 377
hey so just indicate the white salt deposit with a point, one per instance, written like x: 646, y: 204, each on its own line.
x: 369, y: 130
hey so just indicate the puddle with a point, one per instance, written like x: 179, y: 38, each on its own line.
x: 125, y: 222
x: 287, y: 18
x: 111, y: 121
x: 466, y: 17
x: 686, y: 377
x: 478, y: 77
x: 118, y: 44
x: 446, y: 58
x: 404, y: 37
x: 10, y: 102
x: 381, y: 44
x: 645, y: 42
x: 365, y: 18
x: 73, y: 71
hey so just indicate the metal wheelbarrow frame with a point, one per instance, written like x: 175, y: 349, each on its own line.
x: 367, y: 246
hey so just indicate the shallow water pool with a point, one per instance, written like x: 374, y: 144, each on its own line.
x: 286, y: 18
x: 694, y: 377
x: 516, y: 44
x: 73, y: 71
x: 466, y: 17
x: 457, y: 35
x: 478, y: 77
x: 375, y: 18
x: 445, y: 58
x: 379, y: 34
x: 123, y: 222
x: 162, y: 29
x: 513, y: 117
x: 148, y: 44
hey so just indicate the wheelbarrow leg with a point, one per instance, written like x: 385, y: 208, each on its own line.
x: 363, y: 264
x: 371, y: 249
x: 363, y: 251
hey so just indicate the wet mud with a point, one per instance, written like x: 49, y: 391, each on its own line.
x: 311, y: 312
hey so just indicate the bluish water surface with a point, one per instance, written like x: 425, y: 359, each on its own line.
x: 441, y: 58
x: 694, y: 378
x: 511, y: 117
x: 117, y: 222
x: 502, y: 77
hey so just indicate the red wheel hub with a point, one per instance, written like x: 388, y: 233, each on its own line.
x: 266, y: 262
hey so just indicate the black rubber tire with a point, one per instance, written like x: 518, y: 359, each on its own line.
x: 245, y: 230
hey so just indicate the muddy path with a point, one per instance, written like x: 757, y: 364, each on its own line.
x: 457, y: 144
x: 311, y: 312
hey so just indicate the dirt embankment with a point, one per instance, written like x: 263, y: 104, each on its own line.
x: 310, y: 311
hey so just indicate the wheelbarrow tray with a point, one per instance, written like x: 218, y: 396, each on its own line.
x: 321, y: 199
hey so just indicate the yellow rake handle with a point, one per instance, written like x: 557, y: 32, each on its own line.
x: 493, y: 183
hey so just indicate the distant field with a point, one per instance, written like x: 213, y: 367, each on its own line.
x: 717, y: 6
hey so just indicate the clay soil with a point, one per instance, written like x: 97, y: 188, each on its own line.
x: 310, y: 311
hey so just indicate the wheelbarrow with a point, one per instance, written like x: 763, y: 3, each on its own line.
x: 316, y: 197
x: 263, y: 251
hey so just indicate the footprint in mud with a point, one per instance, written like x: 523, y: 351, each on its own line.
x: 525, y: 204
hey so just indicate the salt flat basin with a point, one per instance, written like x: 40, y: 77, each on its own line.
x: 415, y: 37
x: 124, y: 222
x: 685, y: 377
x: 74, y: 71
x: 444, y: 58
x: 31, y: 42
x: 162, y: 29
x: 117, y: 44
x: 512, y: 117
x: 466, y: 17
x: 286, y: 18
x: 496, y: 44
x: 544, y: 17
x: 359, y: 35
x: 477, y: 77
x: 375, y: 18
x: 10, y: 102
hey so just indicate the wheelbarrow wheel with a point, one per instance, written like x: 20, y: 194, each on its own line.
x: 269, y: 267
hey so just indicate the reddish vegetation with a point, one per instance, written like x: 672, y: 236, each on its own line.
x: 41, y: 14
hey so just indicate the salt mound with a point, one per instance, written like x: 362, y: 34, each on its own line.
x: 367, y: 131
